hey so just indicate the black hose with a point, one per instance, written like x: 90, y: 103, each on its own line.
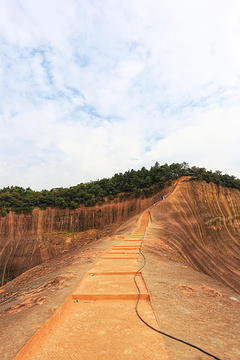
x: 161, y: 332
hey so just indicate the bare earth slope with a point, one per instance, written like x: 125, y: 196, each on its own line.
x: 201, y: 223
x: 193, y: 228
x: 27, y: 240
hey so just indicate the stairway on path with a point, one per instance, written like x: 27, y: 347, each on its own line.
x: 98, y: 321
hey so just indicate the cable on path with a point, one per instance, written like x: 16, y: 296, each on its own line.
x: 161, y: 332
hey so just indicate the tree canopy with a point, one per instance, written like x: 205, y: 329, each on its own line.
x: 138, y: 183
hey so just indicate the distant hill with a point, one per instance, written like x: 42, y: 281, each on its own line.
x: 136, y: 183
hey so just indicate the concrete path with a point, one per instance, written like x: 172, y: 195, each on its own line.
x: 98, y: 320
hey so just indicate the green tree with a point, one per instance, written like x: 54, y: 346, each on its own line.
x: 4, y: 212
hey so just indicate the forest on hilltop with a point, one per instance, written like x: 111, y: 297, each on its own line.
x: 138, y: 183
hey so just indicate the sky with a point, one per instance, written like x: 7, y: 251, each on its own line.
x: 91, y: 88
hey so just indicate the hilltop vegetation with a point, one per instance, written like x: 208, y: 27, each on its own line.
x: 139, y: 183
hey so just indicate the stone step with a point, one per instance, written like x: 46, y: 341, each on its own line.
x: 95, y: 330
x: 129, y: 243
x: 110, y: 287
x: 120, y: 256
x: 115, y: 266
x: 123, y: 251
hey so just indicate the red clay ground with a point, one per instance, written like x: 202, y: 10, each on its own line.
x: 91, y: 324
x: 187, y: 303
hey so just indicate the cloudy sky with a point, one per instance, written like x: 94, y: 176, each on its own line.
x: 89, y: 88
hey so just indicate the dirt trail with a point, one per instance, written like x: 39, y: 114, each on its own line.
x: 98, y: 320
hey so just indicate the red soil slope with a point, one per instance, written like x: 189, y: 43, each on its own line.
x: 197, y: 225
x: 91, y: 324
x: 29, y: 240
x: 201, y: 223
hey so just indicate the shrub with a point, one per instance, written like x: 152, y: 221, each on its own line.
x: 4, y: 212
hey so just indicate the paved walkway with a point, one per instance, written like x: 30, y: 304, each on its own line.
x: 98, y: 320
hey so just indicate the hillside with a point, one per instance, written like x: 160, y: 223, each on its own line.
x: 27, y: 240
x: 201, y: 224
x: 192, y: 250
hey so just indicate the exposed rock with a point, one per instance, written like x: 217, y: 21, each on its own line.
x: 200, y: 222
x: 188, y: 304
x: 28, y: 240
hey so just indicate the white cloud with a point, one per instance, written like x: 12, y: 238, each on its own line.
x: 92, y: 88
x: 212, y: 140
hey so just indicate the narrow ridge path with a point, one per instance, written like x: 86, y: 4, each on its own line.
x: 98, y: 320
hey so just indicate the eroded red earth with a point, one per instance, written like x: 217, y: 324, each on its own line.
x: 195, y: 229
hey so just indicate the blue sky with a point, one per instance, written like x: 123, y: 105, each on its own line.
x: 89, y: 88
